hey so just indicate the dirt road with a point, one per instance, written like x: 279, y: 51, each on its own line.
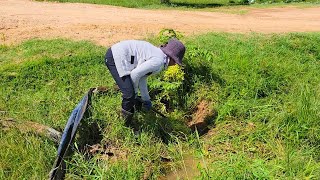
x: 25, y: 19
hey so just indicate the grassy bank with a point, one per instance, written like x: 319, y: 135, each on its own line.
x: 264, y: 90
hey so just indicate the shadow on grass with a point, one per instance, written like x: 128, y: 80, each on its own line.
x: 200, y: 72
x: 166, y: 128
x: 163, y: 128
x: 195, y: 5
x: 202, y: 127
x: 89, y: 133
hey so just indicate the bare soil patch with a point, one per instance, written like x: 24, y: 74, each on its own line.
x: 104, y: 25
x: 202, y: 117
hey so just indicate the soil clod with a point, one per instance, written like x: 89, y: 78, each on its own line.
x: 202, y: 118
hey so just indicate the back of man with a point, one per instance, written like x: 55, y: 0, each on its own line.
x: 131, y: 53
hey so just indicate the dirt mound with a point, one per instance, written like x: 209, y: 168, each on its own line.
x: 202, y: 117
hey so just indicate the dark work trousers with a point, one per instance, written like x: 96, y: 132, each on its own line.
x: 124, y: 83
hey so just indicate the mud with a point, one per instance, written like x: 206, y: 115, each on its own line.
x: 189, y: 169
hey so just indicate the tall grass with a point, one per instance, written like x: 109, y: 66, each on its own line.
x: 264, y: 89
x: 268, y: 94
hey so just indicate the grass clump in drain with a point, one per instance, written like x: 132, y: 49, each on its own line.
x: 262, y: 92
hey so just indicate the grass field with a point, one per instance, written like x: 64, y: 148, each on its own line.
x: 265, y: 90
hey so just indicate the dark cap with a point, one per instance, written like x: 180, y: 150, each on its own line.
x: 175, y: 50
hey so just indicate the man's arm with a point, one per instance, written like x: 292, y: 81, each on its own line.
x: 144, y: 88
x: 139, y: 77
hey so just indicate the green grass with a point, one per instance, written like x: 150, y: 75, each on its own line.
x: 264, y: 89
x: 151, y: 3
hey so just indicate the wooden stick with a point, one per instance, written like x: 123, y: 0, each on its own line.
x: 28, y: 126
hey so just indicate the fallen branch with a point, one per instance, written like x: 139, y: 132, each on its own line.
x: 28, y: 126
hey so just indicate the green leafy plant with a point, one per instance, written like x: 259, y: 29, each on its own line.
x: 168, y: 87
x: 166, y: 34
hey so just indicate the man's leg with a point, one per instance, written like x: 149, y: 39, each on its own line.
x: 125, y: 85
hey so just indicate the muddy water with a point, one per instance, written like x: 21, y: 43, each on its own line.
x: 189, y: 169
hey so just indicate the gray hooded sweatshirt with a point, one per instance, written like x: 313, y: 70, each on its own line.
x: 138, y: 59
